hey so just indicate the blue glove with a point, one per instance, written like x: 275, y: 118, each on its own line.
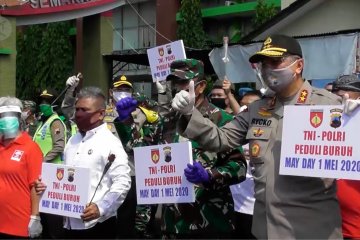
x: 125, y: 107
x: 196, y: 173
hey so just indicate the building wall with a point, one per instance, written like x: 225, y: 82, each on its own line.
x: 330, y: 16
x: 8, y: 61
x: 133, y: 28
x: 166, y: 20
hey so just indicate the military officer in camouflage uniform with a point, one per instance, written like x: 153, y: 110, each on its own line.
x: 137, y: 125
x: 286, y: 207
x: 210, y: 215
x: 28, y: 117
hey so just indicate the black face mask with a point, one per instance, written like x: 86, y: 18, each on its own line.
x: 219, y: 102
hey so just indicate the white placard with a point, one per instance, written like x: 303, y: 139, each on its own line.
x: 161, y: 57
x: 67, y: 190
x: 160, y: 174
x: 320, y: 141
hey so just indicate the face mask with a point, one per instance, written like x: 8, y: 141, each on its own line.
x: 9, y: 127
x: 120, y: 95
x: 46, y: 110
x: 278, y: 79
x: 219, y: 102
x: 85, y: 121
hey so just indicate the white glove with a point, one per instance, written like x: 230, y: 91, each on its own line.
x: 350, y: 104
x: 184, y: 101
x: 72, y: 82
x: 161, y: 87
x: 34, y: 227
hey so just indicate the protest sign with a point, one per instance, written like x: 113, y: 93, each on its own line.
x: 161, y: 57
x: 320, y: 141
x: 67, y: 190
x: 160, y: 173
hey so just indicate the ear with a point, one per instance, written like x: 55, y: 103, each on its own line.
x: 201, y: 87
x: 299, y: 66
x: 102, y: 114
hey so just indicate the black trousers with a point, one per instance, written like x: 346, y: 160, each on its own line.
x: 243, y: 223
x: 126, y: 214
x: 52, y: 226
x: 104, y: 230
x: 7, y: 236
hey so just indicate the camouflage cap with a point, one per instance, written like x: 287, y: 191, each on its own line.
x: 122, y: 81
x: 186, y: 69
x: 29, y: 104
x: 346, y: 83
x: 219, y: 84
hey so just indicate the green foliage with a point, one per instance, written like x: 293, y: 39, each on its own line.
x: 44, y: 59
x: 263, y: 12
x: 190, y: 28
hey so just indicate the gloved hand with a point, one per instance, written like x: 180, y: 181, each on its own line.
x: 34, y: 227
x: 125, y: 107
x: 350, y: 104
x: 196, y: 173
x: 184, y: 101
x: 73, y: 81
x: 161, y: 87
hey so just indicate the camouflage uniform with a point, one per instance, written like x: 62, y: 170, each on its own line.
x: 142, y: 129
x: 210, y: 215
x: 29, y: 123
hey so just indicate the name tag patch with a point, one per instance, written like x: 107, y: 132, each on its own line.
x: 17, y: 155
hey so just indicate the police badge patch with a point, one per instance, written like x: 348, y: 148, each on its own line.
x: 335, y: 117
x: 167, y: 153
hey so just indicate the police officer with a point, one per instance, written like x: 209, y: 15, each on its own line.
x: 51, y: 133
x: 210, y: 215
x: 286, y: 207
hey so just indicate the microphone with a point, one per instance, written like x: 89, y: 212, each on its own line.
x: 111, y: 159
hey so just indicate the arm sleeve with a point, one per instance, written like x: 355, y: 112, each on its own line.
x: 58, y: 140
x: 68, y: 104
x: 212, y: 138
x: 119, y: 174
x: 34, y: 163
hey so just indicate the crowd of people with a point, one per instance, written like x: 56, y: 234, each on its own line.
x: 239, y: 192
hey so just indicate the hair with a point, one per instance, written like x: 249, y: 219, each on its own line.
x: 253, y: 93
x: 94, y: 93
x: 10, y: 101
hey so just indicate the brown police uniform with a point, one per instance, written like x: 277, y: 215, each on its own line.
x: 286, y: 207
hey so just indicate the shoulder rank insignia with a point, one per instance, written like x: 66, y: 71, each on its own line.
x: 264, y: 112
x: 302, y: 97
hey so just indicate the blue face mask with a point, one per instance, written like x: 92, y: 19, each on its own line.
x: 9, y: 127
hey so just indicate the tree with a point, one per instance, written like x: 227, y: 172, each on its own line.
x: 44, y: 58
x: 190, y: 28
x: 263, y: 12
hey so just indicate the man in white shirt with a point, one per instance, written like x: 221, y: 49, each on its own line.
x: 93, y: 147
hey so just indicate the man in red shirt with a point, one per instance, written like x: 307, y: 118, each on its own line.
x: 21, y: 161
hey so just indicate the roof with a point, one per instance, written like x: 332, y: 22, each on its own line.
x: 283, y: 18
x: 140, y: 57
